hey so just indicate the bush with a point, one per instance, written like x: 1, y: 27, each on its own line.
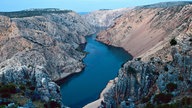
x: 5, y: 95
x: 149, y: 105
x: 171, y: 87
x: 190, y: 39
x: 186, y: 101
x: 162, y: 98
x: 52, y: 104
x: 146, y: 99
x: 180, y: 78
x: 173, y: 42
x: 32, y: 88
x: 9, y: 88
x: 166, y: 68
x: 22, y: 87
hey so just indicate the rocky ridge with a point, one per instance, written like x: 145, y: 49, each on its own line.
x: 41, y: 48
x: 160, y: 78
x: 104, y: 18
x: 150, y: 26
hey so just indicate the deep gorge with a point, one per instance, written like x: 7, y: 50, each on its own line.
x: 102, y: 64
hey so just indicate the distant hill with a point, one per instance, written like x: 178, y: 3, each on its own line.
x: 83, y: 13
x: 166, y: 4
x: 33, y: 12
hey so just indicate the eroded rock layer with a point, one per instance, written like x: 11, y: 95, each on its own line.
x: 160, y: 78
x: 143, y: 28
x: 38, y: 47
x: 104, y: 18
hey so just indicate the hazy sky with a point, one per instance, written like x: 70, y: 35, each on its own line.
x: 76, y: 5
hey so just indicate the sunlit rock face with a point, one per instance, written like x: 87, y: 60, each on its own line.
x: 148, y: 27
x: 38, y: 47
x: 50, y: 40
x: 104, y: 18
x: 161, y: 76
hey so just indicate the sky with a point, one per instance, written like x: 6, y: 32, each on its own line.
x: 76, y: 5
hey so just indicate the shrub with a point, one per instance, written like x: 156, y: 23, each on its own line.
x: 190, y: 39
x: 52, y: 104
x: 146, y: 99
x: 162, y: 98
x: 22, y: 87
x: 180, y: 78
x: 171, y: 87
x: 173, y: 42
x: 9, y: 88
x: 32, y: 88
x: 131, y: 70
x: 186, y: 101
x: 149, y: 105
x: 5, y: 95
x: 166, y: 68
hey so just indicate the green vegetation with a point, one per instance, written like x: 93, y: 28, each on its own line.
x: 180, y: 78
x: 19, y: 95
x: 131, y: 70
x: 146, y: 99
x: 149, y: 105
x: 162, y: 98
x: 35, y: 12
x: 166, y: 68
x: 185, y: 102
x: 173, y: 42
x: 8, y: 88
x: 52, y: 104
x: 171, y: 87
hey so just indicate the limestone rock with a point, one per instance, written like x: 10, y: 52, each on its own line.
x: 102, y: 19
x: 51, y: 40
x: 145, y: 30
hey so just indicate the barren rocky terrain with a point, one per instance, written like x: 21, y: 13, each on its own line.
x: 147, y: 27
x: 41, y: 46
x: 104, y: 18
x: 159, y: 36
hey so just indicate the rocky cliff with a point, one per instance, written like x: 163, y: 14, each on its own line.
x: 41, y: 45
x: 51, y: 40
x: 104, y: 18
x: 160, y: 78
x: 148, y: 27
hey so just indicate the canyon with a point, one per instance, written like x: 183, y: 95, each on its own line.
x: 159, y: 76
x: 41, y: 46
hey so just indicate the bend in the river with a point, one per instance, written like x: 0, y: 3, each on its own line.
x: 102, y: 64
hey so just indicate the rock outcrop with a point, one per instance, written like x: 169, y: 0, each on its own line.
x: 148, y: 27
x: 160, y: 78
x: 50, y: 40
x: 104, y: 18
x: 41, y: 46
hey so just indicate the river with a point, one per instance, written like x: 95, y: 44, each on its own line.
x: 102, y: 64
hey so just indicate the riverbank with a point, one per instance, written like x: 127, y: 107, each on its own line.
x: 86, y: 86
x: 97, y: 103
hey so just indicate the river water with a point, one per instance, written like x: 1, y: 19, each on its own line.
x: 102, y: 64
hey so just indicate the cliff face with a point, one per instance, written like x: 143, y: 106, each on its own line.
x: 161, y: 78
x: 143, y: 28
x: 102, y: 19
x: 51, y: 40
x: 39, y: 46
